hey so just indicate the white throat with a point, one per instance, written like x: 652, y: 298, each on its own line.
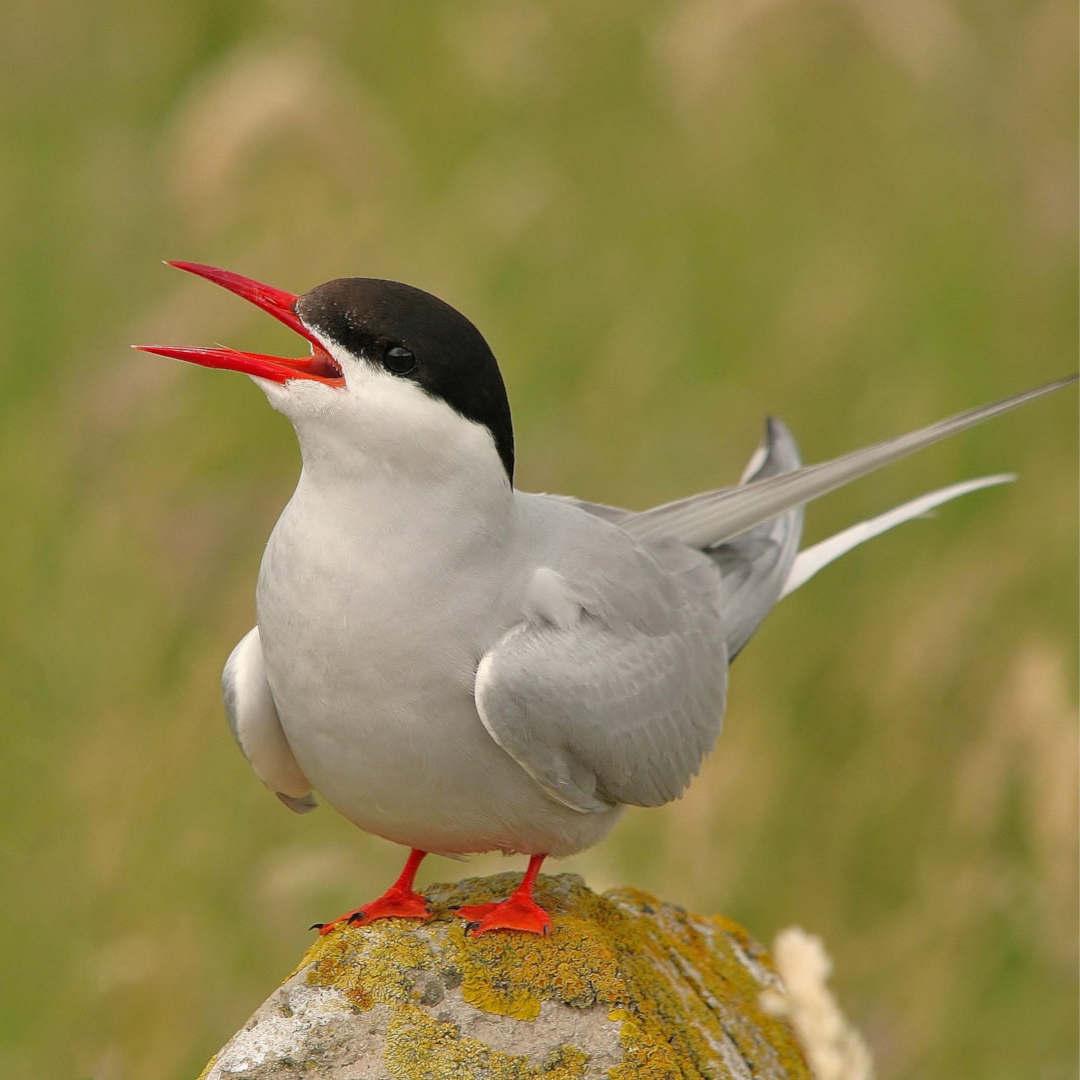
x: 399, y: 496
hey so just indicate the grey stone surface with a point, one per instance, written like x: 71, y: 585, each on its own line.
x: 625, y: 983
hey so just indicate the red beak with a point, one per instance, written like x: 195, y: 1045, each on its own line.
x: 319, y: 366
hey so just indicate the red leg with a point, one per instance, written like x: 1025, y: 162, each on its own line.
x: 400, y: 901
x: 519, y: 911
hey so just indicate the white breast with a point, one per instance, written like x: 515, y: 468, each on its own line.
x: 373, y: 619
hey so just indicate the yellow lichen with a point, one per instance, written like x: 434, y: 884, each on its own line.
x: 416, y: 1039
x: 512, y: 974
x: 368, y: 968
x: 683, y: 988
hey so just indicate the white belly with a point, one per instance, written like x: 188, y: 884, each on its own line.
x: 372, y: 674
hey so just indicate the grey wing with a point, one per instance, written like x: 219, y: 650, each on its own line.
x: 256, y: 727
x: 755, y: 566
x: 719, y: 516
x: 601, y: 701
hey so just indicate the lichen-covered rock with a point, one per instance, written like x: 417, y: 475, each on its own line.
x: 626, y: 988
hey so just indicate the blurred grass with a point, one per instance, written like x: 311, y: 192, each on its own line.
x: 670, y: 220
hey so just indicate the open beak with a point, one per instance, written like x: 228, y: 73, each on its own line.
x: 319, y: 366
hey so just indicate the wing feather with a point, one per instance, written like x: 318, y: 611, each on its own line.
x: 619, y: 703
x: 717, y: 516
x: 256, y: 727
x: 755, y: 565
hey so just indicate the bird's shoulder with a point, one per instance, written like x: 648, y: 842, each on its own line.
x: 578, y: 552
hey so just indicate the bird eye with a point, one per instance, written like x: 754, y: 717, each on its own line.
x: 398, y: 360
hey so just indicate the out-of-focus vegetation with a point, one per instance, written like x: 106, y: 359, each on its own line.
x: 669, y: 219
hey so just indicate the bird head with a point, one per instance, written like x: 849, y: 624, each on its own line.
x: 393, y: 375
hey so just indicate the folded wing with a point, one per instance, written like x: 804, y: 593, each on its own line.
x: 254, y: 723
x: 611, y: 688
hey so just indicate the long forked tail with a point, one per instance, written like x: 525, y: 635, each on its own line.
x: 752, y: 531
x: 812, y: 559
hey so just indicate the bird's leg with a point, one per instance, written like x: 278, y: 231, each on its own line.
x: 400, y: 901
x: 519, y: 911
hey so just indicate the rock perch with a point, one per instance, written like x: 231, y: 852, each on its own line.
x: 626, y: 988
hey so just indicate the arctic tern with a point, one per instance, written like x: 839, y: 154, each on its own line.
x: 458, y: 666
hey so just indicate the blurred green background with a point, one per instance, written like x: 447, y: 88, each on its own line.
x: 669, y: 219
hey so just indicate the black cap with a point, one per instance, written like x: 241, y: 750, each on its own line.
x: 416, y: 336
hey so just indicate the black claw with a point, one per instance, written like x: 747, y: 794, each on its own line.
x: 470, y: 926
x: 316, y: 926
x: 357, y: 916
